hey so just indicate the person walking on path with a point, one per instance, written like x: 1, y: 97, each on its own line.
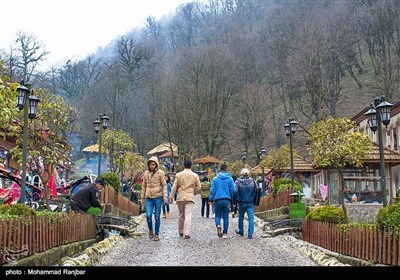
x: 165, y: 206
x: 205, y: 193
x: 222, y: 193
x: 87, y: 196
x: 246, y: 190
x: 154, y: 193
x: 188, y: 184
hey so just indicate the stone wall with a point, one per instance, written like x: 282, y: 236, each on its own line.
x: 274, y: 214
x: 363, y: 213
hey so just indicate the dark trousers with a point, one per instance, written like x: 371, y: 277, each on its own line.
x: 75, y: 207
x: 165, y: 206
x: 204, y: 204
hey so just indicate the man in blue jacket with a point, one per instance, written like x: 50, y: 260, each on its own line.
x: 222, y: 193
x: 246, y: 190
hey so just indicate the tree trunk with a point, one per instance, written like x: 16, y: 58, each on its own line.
x: 45, y: 177
x: 341, y: 194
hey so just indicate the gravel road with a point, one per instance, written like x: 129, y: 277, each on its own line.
x: 204, y: 248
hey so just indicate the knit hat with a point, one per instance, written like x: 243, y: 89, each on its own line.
x: 244, y: 171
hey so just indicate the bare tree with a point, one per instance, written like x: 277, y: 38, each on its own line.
x: 27, y: 54
x: 378, y: 25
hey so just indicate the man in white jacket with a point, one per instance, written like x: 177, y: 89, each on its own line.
x: 188, y: 184
x: 153, y: 195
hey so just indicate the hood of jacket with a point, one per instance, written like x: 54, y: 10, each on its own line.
x: 245, y: 181
x: 223, y: 175
x: 153, y: 158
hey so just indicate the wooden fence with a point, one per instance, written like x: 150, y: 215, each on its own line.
x: 358, y: 241
x: 119, y: 201
x: 269, y: 202
x: 26, y: 236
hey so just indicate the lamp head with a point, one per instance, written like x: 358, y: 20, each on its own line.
x: 105, y: 120
x: 22, y: 95
x: 262, y: 153
x: 97, y: 125
x: 33, y: 104
x: 383, y: 108
x: 243, y: 155
x: 372, y: 118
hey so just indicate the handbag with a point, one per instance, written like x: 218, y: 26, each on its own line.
x: 257, y: 196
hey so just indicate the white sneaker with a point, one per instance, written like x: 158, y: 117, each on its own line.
x: 224, y: 236
x: 219, y: 231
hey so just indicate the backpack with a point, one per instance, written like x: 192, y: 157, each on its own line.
x: 257, y: 196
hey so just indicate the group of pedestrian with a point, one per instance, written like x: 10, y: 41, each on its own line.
x: 220, y: 193
x: 157, y: 193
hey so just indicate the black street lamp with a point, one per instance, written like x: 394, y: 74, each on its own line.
x: 261, y: 155
x: 378, y: 113
x: 99, y: 124
x: 122, y: 162
x: 243, y: 156
x: 291, y: 128
x: 27, y: 101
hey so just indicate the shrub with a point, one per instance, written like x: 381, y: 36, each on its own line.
x: 16, y: 210
x: 137, y: 186
x: 284, y: 183
x: 330, y: 214
x: 112, y: 179
x: 388, y: 217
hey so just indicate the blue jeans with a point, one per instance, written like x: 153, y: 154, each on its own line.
x: 249, y: 208
x: 152, y: 203
x: 222, y: 207
x: 165, y: 206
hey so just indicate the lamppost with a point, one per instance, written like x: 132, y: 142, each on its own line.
x: 27, y: 101
x: 243, y: 156
x: 122, y: 162
x: 378, y: 113
x: 261, y: 155
x: 99, y: 124
x: 290, y: 128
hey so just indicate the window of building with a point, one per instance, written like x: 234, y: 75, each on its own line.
x: 4, y: 157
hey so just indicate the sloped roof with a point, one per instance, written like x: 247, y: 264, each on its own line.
x: 162, y: 148
x: 207, y: 159
x: 168, y: 154
x: 300, y: 164
x: 92, y: 149
x: 256, y: 170
x: 390, y: 155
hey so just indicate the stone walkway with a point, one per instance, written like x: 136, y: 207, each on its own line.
x: 204, y: 248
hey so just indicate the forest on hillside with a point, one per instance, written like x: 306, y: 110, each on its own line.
x: 223, y: 76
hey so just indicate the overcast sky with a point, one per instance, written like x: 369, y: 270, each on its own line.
x: 72, y: 29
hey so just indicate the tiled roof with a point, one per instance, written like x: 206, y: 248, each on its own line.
x: 390, y: 155
x: 299, y: 164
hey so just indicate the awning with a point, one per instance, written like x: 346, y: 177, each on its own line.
x: 208, y: 159
x: 92, y: 149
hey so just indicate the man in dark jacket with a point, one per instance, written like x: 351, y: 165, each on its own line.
x: 87, y: 196
x: 245, y: 192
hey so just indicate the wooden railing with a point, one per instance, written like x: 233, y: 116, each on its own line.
x: 119, y: 201
x: 368, y: 243
x: 269, y: 202
x: 26, y: 236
